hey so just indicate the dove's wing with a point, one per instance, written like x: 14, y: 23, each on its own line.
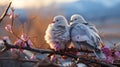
x: 94, y: 28
x: 91, y: 26
x: 80, y: 32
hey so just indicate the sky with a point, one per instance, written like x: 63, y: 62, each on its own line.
x: 90, y: 9
x: 34, y: 3
x: 44, y: 3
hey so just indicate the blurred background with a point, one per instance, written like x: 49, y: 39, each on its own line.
x: 37, y: 14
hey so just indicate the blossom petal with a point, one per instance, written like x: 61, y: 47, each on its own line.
x: 110, y: 59
x: 56, y: 47
x: 33, y: 57
x: 8, y: 28
x: 117, y: 54
x: 107, y: 51
x: 24, y: 37
x: 53, y: 58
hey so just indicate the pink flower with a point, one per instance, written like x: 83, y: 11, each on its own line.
x: 24, y: 37
x: 53, y: 58
x: 12, y: 50
x: 110, y: 59
x: 33, y: 57
x: 12, y: 15
x: 30, y: 42
x: 5, y: 37
x: 20, y: 43
x: 23, y: 42
x: 56, y: 47
x: 117, y: 54
x: 26, y: 40
x: 107, y: 51
x: 8, y: 28
x: 9, y: 42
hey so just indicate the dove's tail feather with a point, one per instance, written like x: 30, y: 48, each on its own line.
x: 99, y: 54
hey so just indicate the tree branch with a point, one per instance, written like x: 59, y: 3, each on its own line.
x: 46, y: 51
x: 21, y: 60
x: 5, y: 12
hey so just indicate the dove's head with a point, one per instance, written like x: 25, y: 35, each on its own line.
x: 76, y: 18
x: 60, y: 20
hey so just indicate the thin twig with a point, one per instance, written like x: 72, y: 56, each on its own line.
x: 5, y: 12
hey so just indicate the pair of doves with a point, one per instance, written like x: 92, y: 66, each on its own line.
x: 60, y: 34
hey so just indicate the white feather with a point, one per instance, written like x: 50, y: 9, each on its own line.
x: 58, y: 32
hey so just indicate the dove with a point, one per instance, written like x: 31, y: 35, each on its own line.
x: 82, y: 34
x: 57, y: 33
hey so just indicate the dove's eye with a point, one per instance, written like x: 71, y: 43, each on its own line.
x: 57, y: 20
x: 75, y: 19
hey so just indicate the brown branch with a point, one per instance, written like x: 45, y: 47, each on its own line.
x: 45, y: 63
x: 5, y: 12
x: 117, y: 64
x: 78, y: 50
x: 3, y: 51
x: 20, y: 60
x: 46, y: 51
x: 38, y: 63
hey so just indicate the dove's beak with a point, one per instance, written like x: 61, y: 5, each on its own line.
x: 53, y: 21
x: 71, y: 20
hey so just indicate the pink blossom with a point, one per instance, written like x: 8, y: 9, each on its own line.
x: 12, y: 15
x: 53, y: 58
x: 8, y: 14
x: 5, y: 37
x: 20, y: 43
x: 110, y: 59
x: 8, y: 28
x: 12, y: 50
x: 117, y: 54
x: 9, y: 42
x: 109, y: 56
x: 56, y: 47
x: 23, y: 42
x: 107, y: 51
x: 30, y: 42
x: 24, y: 37
x: 33, y: 57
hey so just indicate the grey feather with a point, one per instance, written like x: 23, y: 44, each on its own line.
x: 81, y: 32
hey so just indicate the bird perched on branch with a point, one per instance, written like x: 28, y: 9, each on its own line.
x: 82, y: 34
x: 57, y: 33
